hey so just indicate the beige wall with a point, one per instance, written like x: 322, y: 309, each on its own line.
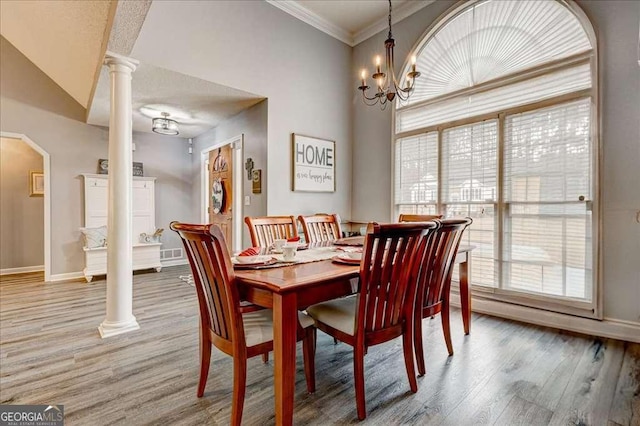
x: 616, y: 23
x: 21, y: 216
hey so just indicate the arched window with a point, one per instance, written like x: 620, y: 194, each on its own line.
x: 503, y: 121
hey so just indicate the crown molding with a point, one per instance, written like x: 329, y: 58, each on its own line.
x: 296, y: 10
x: 399, y: 13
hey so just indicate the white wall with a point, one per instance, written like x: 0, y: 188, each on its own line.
x: 253, y: 46
x: 21, y: 216
x: 616, y: 23
x: 252, y: 123
x: 32, y: 104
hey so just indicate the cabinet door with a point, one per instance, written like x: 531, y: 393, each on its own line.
x: 96, y: 193
x: 143, y: 207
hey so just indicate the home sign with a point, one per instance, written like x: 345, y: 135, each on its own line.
x: 314, y: 165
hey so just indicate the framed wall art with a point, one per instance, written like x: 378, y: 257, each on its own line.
x: 36, y: 184
x: 314, y: 164
x: 103, y: 167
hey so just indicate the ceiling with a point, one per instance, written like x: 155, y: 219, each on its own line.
x: 65, y: 39
x: 197, y: 105
x: 68, y: 39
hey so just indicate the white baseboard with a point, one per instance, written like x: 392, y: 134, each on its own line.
x: 608, y: 327
x: 22, y: 270
x: 175, y: 262
x: 66, y: 277
x: 80, y: 274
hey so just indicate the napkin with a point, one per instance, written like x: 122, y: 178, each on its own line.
x: 293, y: 240
x: 251, y: 251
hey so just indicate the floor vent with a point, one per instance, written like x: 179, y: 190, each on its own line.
x: 171, y: 254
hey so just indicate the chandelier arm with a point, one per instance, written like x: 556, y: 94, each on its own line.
x: 388, y: 86
x: 374, y: 98
x: 373, y: 101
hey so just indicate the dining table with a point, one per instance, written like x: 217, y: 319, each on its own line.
x: 288, y: 289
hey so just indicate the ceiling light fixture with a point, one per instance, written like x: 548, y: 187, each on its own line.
x: 164, y: 125
x: 387, y: 85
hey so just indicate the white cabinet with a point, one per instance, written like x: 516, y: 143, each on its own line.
x: 145, y: 255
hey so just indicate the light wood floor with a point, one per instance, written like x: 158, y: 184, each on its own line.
x: 504, y: 373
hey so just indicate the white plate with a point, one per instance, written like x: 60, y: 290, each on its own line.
x: 345, y: 261
x: 252, y: 260
x: 351, y: 256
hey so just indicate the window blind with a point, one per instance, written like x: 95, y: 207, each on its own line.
x: 528, y: 175
x: 491, y: 39
x: 548, y: 154
x: 522, y: 93
x: 416, y: 169
x: 469, y: 184
x: 547, y: 185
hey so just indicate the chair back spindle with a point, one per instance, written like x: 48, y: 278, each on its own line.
x: 434, y: 275
x: 321, y: 227
x: 387, y: 293
x: 264, y: 230
x: 213, y: 277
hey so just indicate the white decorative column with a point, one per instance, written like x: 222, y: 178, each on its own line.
x: 120, y: 317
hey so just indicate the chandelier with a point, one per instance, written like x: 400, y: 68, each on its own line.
x: 387, y: 85
x: 164, y: 125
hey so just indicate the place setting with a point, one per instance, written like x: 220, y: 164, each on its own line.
x: 348, y: 258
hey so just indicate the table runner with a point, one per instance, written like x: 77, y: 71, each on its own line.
x: 303, y: 256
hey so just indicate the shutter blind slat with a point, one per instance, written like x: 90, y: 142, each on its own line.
x: 513, y: 95
x: 495, y: 38
x: 547, y: 247
x: 416, y: 171
x: 469, y: 175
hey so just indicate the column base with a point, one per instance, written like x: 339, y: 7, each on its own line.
x: 110, y: 328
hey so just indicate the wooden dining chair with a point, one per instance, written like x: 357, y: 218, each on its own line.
x: 222, y: 322
x: 434, y: 281
x: 321, y: 227
x: 418, y: 217
x: 383, y: 308
x: 264, y: 230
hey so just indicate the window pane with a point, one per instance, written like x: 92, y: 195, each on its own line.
x: 416, y: 169
x: 418, y: 209
x: 548, y: 249
x: 548, y: 154
x: 469, y: 163
x: 480, y: 234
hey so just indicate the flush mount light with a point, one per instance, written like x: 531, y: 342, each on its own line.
x: 164, y: 125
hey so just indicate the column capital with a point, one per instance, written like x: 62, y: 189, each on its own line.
x: 111, y: 59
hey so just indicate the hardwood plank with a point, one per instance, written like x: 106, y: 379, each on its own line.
x: 625, y: 409
x: 589, y: 394
x: 522, y: 412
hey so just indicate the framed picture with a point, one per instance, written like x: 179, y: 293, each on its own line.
x: 103, y: 167
x: 36, y: 184
x: 314, y: 164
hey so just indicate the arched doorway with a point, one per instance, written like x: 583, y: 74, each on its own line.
x: 46, y: 168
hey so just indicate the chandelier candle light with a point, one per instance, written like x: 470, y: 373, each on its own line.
x: 387, y: 85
